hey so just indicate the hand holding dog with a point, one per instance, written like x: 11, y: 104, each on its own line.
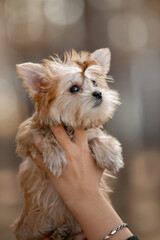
x: 79, y: 186
x: 81, y: 172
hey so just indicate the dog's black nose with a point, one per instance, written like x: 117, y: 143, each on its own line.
x: 97, y: 94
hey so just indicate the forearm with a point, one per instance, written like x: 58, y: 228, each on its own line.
x: 97, y: 218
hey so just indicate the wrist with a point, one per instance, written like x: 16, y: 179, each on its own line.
x: 97, y: 217
x: 83, y: 198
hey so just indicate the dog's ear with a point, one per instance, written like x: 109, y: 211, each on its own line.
x: 103, y: 57
x: 34, y: 77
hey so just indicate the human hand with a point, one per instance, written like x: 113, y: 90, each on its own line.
x: 81, y: 176
x: 79, y: 186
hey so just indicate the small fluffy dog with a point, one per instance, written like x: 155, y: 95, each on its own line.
x: 73, y: 92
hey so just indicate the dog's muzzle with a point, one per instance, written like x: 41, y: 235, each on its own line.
x: 97, y: 97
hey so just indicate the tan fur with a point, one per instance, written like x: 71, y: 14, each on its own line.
x: 49, y: 86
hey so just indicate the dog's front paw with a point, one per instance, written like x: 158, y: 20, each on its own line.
x: 107, y: 152
x: 53, y: 156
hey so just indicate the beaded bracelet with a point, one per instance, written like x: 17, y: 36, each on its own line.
x: 115, y: 230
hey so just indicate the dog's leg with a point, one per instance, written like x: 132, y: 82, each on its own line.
x: 53, y: 155
x: 106, y: 150
x: 33, y: 223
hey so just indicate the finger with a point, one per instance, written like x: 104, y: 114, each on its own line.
x: 38, y: 141
x: 38, y: 160
x: 61, y: 136
x: 80, y: 137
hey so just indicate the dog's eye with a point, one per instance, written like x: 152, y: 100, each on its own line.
x: 94, y: 83
x: 74, y: 89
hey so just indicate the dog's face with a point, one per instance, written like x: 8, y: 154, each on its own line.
x: 73, y: 92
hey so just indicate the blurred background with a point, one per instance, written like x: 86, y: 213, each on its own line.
x: 31, y: 30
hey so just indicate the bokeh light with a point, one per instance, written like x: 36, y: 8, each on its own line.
x: 127, y: 32
x: 63, y: 12
x: 137, y: 32
x: 24, y: 22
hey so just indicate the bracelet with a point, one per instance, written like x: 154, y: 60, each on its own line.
x: 115, y: 230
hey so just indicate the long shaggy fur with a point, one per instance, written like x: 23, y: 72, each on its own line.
x: 49, y: 85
